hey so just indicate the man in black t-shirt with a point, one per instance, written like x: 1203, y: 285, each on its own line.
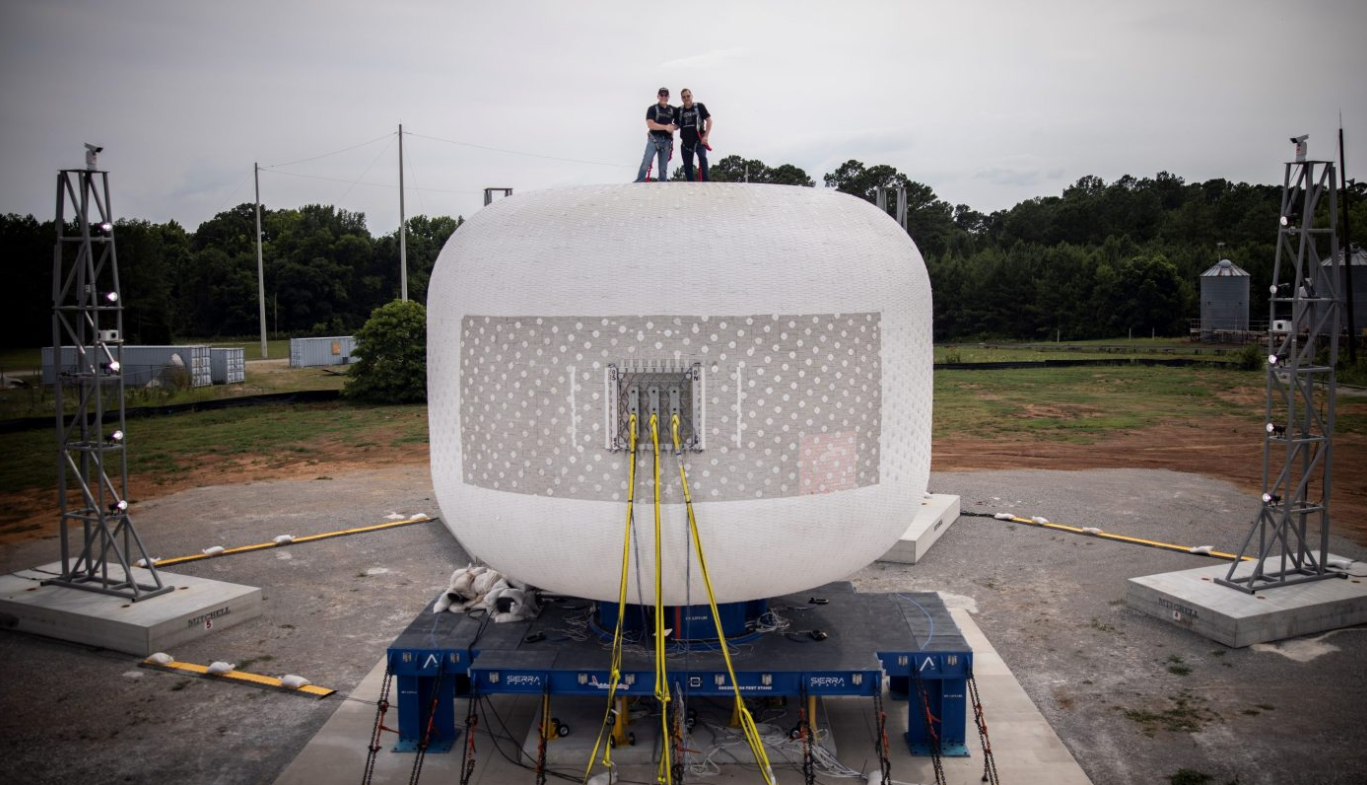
x: 695, y: 123
x: 660, y: 121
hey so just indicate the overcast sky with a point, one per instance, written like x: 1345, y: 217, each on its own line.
x: 987, y: 102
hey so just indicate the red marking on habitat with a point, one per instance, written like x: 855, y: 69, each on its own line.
x: 827, y: 463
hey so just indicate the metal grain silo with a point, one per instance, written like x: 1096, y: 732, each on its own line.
x: 1224, y: 300
x: 1359, y: 275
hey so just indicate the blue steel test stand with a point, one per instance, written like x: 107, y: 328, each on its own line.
x: 908, y: 638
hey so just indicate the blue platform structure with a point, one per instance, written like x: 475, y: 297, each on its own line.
x: 837, y: 642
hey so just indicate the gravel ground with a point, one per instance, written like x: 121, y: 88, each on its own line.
x: 1134, y: 699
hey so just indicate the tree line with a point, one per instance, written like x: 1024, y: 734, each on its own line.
x: 1099, y: 260
x: 324, y: 273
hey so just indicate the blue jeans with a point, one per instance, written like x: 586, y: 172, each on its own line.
x: 659, y: 148
x: 688, y: 161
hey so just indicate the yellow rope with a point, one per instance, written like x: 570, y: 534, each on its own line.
x: 616, y: 668
x: 747, y: 722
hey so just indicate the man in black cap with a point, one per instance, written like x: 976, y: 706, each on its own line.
x: 660, y: 120
x: 695, y: 123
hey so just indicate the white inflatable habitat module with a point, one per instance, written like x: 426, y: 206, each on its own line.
x: 790, y: 330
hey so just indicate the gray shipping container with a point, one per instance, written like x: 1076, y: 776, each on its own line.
x: 1224, y: 299
x: 143, y: 365
x: 228, y: 365
x: 333, y: 350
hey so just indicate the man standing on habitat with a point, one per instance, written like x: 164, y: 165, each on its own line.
x: 695, y: 123
x: 660, y: 119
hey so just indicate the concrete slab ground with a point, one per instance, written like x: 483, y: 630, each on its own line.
x: 195, y: 608
x: 1027, y: 750
x: 1133, y: 699
x: 1191, y: 599
x: 938, y: 511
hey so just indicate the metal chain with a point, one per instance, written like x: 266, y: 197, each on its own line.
x: 930, y: 729
x: 544, y: 732
x: 427, y: 731
x: 989, y: 763
x: 677, y: 770
x: 804, y: 729
x: 381, y: 707
x: 884, y: 763
x: 467, y: 757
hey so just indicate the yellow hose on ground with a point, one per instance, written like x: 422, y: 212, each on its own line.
x: 1168, y: 546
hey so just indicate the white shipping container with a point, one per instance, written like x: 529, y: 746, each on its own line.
x: 228, y: 365
x: 142, y: 365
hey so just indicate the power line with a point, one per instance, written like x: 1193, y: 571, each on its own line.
x: 365, y: 172
x: 517, y: 152
x: 229, y: 200
x: 374, y: 185
x: 334, y: 152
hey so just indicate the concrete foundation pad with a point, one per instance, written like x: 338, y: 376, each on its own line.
x: 586, y: 717
x: 195, y: 608
x: 1192, y: 599
x: 938, y: 511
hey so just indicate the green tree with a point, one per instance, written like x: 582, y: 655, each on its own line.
x: 27, y: 245
x: 145, y: 280
x: 930, y: 220
x: 427, y: 235
x: 392, y: 347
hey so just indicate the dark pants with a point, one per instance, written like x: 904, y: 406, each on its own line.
x: 688, y: 161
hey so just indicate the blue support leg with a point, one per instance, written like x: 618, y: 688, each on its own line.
x: 417, y: 681
x: 944, y: 678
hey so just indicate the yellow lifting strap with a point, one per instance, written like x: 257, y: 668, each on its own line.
x: 664, y: 774
x: 746, y: 720
x: 616, y: 668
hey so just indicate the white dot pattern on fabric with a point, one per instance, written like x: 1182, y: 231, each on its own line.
x: 809, y: 312
x: 809, y: 409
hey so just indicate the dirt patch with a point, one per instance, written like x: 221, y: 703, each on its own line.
x: 1059, y: 411
x: 1228, y: 448
x: 1250, y: 398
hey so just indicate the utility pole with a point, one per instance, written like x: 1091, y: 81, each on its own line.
x: 260, y: 277
x: 1347, y: 251
x: 403, y: 228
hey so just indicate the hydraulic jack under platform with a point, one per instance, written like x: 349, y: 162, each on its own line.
x: 909, y: 638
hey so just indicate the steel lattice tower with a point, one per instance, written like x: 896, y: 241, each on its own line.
x: 87, y: 318
x: 1289, y: 540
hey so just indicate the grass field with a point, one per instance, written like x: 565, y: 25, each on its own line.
x: 13, y: 361
x: 1081, y: 404
x: 160, y: 449
x: 1058, y: 404
x: 276, y: 348
x: 262, y: 378
x: 996, y: 352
